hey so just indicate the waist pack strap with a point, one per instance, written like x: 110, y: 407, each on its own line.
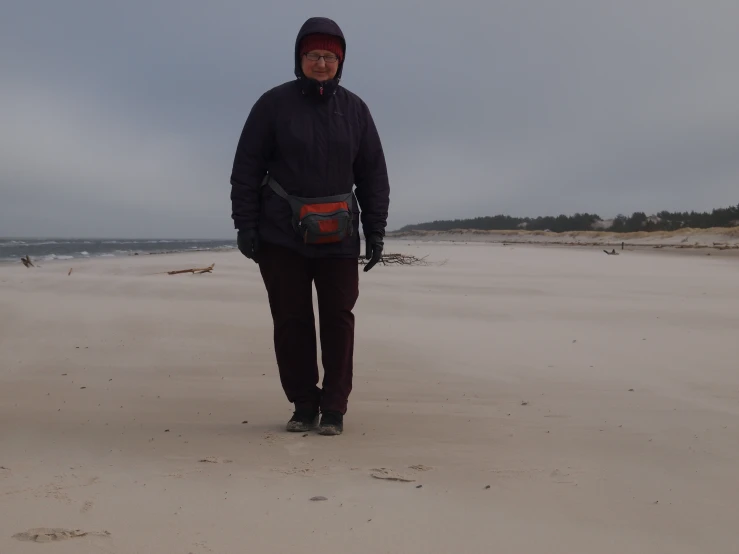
x: 275, y: 186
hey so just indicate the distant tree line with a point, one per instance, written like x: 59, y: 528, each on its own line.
x: 638, y: 221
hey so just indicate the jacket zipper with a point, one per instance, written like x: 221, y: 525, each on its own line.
x: 328, y: 136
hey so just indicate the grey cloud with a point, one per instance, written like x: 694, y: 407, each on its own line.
x: 126, y: 115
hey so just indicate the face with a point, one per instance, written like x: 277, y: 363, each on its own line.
x: 320, y: 70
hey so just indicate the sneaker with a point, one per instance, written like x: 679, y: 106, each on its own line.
x: 332, y: 423
x: 303, y: 420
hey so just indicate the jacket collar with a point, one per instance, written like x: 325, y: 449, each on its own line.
x: 321, y: 90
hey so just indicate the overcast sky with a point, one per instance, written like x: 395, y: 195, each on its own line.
x: 122, y: 118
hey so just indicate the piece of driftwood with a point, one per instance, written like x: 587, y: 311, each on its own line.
x: 70, y: 271
x: 611, y: 253
x: 194, y: 270
x: 27, y: 261
x: 398, y: 259
x: 387, y: 475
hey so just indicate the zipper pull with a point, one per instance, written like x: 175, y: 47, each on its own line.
x: 321, y: 90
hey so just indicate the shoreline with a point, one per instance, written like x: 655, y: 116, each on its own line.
x: 717, y: 241
x: 393, y: 246
x: 76, y: 259
x: 45, y: 250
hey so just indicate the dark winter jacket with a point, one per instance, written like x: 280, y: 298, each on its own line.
x: 314, y: 143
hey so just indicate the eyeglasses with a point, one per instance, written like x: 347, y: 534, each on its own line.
x: 328, y: 58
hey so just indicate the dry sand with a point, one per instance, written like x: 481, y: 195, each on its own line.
x: 544, y: 400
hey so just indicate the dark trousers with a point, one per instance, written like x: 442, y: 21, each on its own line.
x: 288, y: 277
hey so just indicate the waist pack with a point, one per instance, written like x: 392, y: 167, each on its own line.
x: 318, y: 220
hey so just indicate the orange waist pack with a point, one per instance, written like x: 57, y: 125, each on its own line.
x: 318, y: 220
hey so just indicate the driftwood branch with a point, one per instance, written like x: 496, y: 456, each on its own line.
x: 611, y: 253
x: 27, y: 261
x: 398, y: 259
x: 193, y: 270
x: 387, y: 259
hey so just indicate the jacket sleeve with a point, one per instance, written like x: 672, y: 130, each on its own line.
x: 371, y: 179
x: 250, y: 164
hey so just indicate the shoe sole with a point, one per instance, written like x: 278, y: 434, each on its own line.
x: 329, y: 430
x: 297, y: 427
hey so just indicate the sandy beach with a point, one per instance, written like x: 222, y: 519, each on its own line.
x: 521, y: 399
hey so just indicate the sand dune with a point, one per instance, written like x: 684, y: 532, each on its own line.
x: 717, y: 239
x: 511, y: 400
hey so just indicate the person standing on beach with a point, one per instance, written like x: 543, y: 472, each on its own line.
x: 304, y: 145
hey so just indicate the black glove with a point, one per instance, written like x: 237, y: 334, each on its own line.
x: 248, y: 243
x: 374, y: 250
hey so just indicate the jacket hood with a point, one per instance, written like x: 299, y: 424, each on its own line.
x: 324, y: 26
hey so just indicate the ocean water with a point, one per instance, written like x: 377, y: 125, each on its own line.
x: 47, y: 249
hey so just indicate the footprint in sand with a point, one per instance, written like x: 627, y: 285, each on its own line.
x: 306, y: 470
x: 270, y: 438
x: 202, y: 545
x: 46, y: 534
x: 214, y: 460
x: 562, y: 477
x: 87, y: 507
x: 297, y: 448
